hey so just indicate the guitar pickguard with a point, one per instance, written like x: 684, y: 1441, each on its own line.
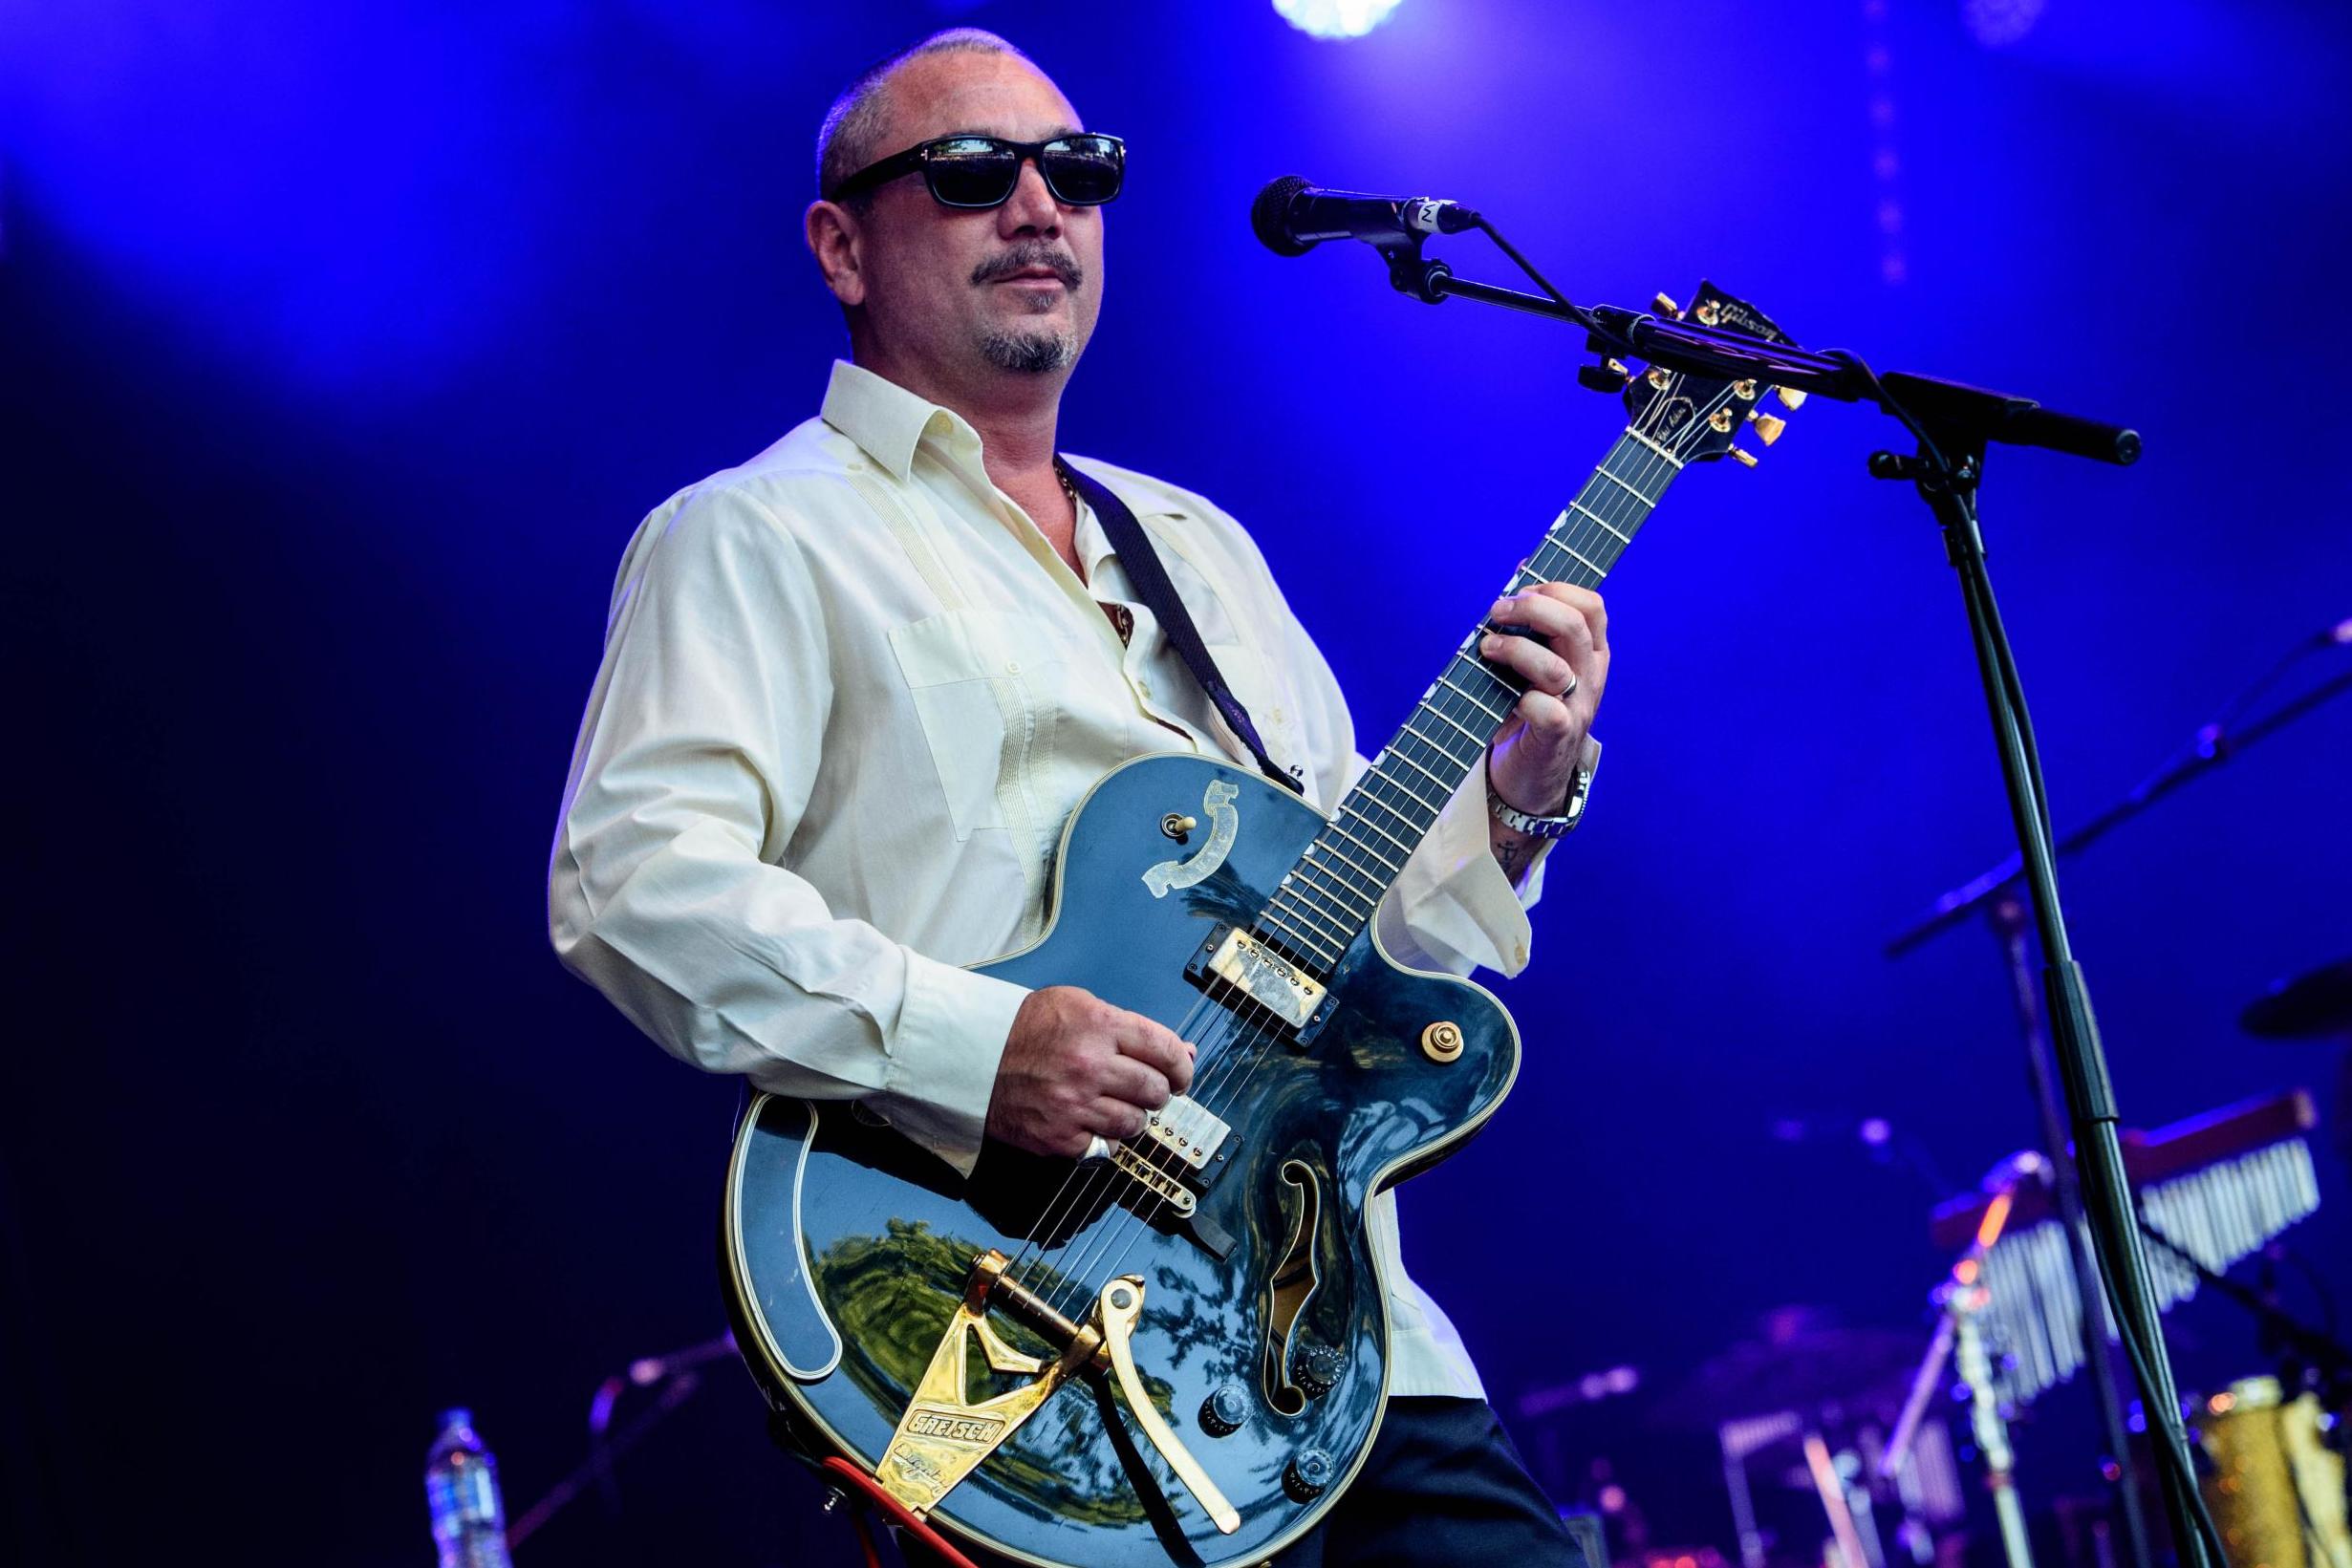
x: 1224, y: 824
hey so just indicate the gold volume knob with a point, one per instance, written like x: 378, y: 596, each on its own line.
x: 1441, y: 1041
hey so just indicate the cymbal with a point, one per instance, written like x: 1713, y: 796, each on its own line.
x: 2310, y: 1006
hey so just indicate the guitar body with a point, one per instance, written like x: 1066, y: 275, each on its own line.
x: 847, y: 1248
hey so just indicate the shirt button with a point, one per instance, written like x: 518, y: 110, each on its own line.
x: 1012, y: 666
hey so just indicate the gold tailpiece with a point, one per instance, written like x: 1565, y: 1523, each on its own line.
x: 944, y: 1435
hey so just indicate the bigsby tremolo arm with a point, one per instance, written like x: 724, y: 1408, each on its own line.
x: 944, y: 1435
x: 1120, y: 1305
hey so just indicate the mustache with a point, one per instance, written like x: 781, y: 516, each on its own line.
x: 1034, y: 253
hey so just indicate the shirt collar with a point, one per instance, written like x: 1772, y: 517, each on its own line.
x: 889, y: 423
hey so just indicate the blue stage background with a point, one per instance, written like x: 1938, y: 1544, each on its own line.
x: 344, y: 346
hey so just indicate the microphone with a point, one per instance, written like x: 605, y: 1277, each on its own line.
x: 1292, y: 217
x: 2340, y: 633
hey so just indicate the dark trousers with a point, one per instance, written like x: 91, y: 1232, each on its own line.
x: 1443, y: 1484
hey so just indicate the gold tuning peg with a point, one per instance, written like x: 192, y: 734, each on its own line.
x: 1618, y: 366
x: 1746, y: 459
x: 1768, y: 426
x: 1790, y: 397
x: 1665, y: 305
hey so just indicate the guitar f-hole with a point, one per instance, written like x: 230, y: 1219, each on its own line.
x: 1292, y: 1285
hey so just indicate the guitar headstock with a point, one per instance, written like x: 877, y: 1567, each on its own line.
x: 1694, y: 418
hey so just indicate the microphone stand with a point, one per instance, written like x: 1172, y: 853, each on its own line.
x: 1953, y: 425
x: 1996, y: 894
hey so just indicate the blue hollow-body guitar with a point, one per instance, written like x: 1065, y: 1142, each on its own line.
x: 1175, y: 1350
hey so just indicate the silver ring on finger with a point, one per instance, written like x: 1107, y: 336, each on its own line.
x: 1569, y: 690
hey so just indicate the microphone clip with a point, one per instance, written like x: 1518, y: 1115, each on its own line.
x: 1410, y: 271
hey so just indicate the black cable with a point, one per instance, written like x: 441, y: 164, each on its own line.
x: 1575, y: 311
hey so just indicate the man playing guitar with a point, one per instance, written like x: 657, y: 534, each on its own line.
x: 852, y: 689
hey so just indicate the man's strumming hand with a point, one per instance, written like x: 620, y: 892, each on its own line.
x: 1075, y: 1068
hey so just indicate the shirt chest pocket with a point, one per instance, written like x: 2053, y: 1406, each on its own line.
x: 980, y: 682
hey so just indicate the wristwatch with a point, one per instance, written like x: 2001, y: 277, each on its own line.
x: 1559, y: 827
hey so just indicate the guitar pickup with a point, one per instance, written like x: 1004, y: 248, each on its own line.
x: 1186, y: 1129
x: 1233, y: 965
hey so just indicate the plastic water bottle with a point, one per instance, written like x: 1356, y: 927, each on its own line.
x: 461, y: 1487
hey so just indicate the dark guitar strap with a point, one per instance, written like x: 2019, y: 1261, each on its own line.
x: 1159, y: 595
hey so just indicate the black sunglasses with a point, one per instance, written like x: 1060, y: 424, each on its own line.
x: 982, y: 171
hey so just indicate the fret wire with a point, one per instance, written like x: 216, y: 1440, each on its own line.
x: 1472, y: 700
x: 1600, y: 538
x: 1347, y: 902
x: 1364, y: 821
x: 1425, y: 773
x: 1441, y: 750
x: 1305, y: 865
x: 1466, y: 663
x: 1366, y: 847
x: 1292, y: 879
x: 1579, y: 507
x: 1343, y: 933
x: 1482, y: 718
x: 1598, y: 572
x: 1414, y: 826
x: 1416, y: 796
x: 1400, y: 813
x: 1629, y: 489
x: 1307, y: 943
x: 1445, y: 760
x: 1347, y: 862
x: 1433, y: 709
x: 1564, y: 572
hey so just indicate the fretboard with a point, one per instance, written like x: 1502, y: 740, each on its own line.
x: 1329, y: 895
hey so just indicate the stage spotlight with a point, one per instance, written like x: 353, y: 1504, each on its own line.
x: 1335, y: 19
x: 1997, y: 23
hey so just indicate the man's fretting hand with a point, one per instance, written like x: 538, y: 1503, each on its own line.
x: 1536, y: 751
x: 1075, y: 1068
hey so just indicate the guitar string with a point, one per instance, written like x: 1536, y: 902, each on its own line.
x: 1128, y: 1226
x: 1654, y: 463
x: 1083, y: 1183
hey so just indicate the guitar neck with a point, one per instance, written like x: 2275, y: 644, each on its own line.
x: 1330, y: 895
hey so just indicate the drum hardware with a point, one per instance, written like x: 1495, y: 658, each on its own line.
x: 1960, y: 1339
x: 1810, y: 1401
x: 2315, y: 1005
x: 2000, y: 892
x: 673, y: 1379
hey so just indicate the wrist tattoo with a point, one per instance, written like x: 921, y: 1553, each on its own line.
x: 1514, y: 852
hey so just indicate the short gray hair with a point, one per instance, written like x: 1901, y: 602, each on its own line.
x: 845, y: 141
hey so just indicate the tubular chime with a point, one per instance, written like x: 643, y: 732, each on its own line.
x: 2220, y: 1187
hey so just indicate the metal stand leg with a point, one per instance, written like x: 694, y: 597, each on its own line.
x: 1984, y: 1418
x: 2013, y: 923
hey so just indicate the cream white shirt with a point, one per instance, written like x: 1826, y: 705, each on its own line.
x: 849, y: 694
